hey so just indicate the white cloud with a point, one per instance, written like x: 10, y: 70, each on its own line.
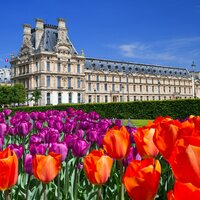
x: 180, y: 51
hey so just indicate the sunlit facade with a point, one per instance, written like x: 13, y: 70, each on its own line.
x: 48, y: 61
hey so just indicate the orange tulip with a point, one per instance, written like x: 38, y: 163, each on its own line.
x: 8, y: 169
x: 46, y: 168
x: 141, y: 179
x: 144, y: 142
x: 97, y: 167
x: 116, y: 143
x: 166, y: 135
x: 185, y: 160
x: 184, y: 191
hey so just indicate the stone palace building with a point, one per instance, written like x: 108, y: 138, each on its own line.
x: 48, y: 61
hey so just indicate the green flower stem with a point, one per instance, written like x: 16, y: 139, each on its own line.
x: 75, y: 188
x: 121, y: 194
x: 44, y: 191
x: 7, y: 195
x: 99, y: 193
x: 58, y: 179
x: 66, y: 181
x: 28, y: 184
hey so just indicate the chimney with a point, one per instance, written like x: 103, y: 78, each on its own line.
x: 27, y: 34
x: 39, y: 30
x: 62, y: 30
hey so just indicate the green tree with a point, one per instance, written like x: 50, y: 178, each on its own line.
x: 36, y: 95
x: 5, y: 94
x: 18, y: 93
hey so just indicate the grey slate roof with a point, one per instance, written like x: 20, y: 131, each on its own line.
x: 49, y: 38
x: 129, y: 67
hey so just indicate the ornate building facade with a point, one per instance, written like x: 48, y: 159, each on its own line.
x: 48, y: 61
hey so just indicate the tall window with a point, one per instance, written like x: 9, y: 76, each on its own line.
x: 174, y: 89
x: 79, y: 82
x: 36, y: 81
x: 69, y: 82
x: 120, y: 87
x: 97, y: 86
x: 69, y: 68
x: 140, y: 88
x: 90, y: 99
x: 58, y: 67
x: 89, y: 86
x: 48, y: 81
x: 106, y: 98
x: 48, y: 66
x: 147, y: 98
x: 79, y: 97
x: 105, y: 78
x: 164, y: 89
x: 113, y: 87
x: 105, y: 87
x: 36, y: 66
x: 89, y: 77
x: 169, y: 89
x: 48, y: 98
x: 98, y: 98
x: 152, y: 87
x: 78, y: 68
x: 134, y: 88
x: 121, y: 98
x: 59, y: 81
x: 59, y: 97
x: 70, y: 97
x: 147, y: 88
x: 134, y: 98
x: 113, y: 79
x: 97, y: 77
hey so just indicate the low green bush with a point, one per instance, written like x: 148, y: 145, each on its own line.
x: 180, y: 108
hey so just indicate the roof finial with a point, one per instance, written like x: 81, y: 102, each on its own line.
x: 12, y: 55
x: 82, y: 52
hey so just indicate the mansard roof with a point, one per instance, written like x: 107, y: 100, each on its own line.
x: 49, y: 38
x: 130, y: 67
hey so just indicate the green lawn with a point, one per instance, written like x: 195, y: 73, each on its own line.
x: 138, y: 122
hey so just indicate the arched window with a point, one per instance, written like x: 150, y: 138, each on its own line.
x: 59, y: 98
x: 70, y: 97
x: 48, y: 98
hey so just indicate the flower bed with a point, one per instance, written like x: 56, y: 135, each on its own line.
x: 76, y: 155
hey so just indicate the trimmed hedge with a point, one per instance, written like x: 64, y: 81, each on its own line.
x: 180, y: 108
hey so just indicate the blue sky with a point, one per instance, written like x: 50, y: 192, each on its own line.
x: 162, y: 32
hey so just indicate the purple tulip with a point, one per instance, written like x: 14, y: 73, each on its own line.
x: 28, y: 164
x: 133, y: 155
x: 3, y: 129
x: 18, y: 149
x: 36, y: 138
x: 67, y: 128
x: 23, y: 128
x: 34, y: 115
x: 93, y: 115
x: 39, y: 125
x: 59, y: 148
x: 7, y: 112
x: 69, y: 139
x: 91, y: 135
x: 58, y: 125
x: 80, y: 147
x: 38, y: 149
x: 52, y: 135
x: 118, y: 122
x: 41, y: 116
x: 12, y: 131
x: 80, y: 133
x: 100, y: 140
